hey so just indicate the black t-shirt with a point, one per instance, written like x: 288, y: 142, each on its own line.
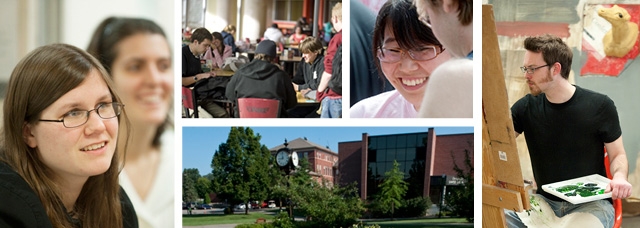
x: 566, y: 141
x: 190, y: 64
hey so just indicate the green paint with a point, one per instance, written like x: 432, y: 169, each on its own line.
x: 581, y: 189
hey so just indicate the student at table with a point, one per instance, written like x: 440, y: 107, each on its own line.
x: 137, y: 55
x: 297, y: 36
x: 201, y: 39
x: 312, y: 69
x: 261, y: 78
x: 218, y: 51
x: 273, y: 33
x: 227, y: 35
x: 60, y: 157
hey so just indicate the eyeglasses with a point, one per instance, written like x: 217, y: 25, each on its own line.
x: 530, y: 70
x: 77, y: 118
x: 391, y: 55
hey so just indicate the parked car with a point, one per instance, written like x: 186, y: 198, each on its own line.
x: 186, y: 206
x: 240, y: 206
x: 203, y: 206
x: 258, y: 205
x: 272, y: 204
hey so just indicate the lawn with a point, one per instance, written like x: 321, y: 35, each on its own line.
x: 431, y: 223
x: 200, y: 220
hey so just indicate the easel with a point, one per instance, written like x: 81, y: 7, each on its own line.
x: 502, y: 182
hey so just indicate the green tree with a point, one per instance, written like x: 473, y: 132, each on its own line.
x: 242, y: 168
x: 203, y: 187
x: 460, y: 200
x: 189, y: 192
x: 392, y: 189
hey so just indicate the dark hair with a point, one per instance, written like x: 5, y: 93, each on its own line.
x: 37, y: 81
x: 465, y: 9
x: 217, y: 36
x: 274, y: 25
x: 106, y: 38
x: 402, y: 18
x: 201, y: 34
x: 553, y: 50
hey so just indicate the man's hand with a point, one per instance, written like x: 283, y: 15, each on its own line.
x: 305, y: 91
x: 619, y: 188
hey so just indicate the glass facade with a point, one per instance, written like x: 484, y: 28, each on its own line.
x: 409, y: 150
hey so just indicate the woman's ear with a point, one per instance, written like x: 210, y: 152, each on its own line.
x: 28, y: 136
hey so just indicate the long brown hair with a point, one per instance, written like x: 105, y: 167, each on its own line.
x: 103, y: 46
x: 37, y: 81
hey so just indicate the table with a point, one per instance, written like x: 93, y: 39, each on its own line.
x: 290, y: 64
x: 223, y: 73
x: 304, y: 101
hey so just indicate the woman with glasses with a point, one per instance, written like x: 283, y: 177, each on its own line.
x: 406, y: 53
x: 138, y: 57
x: 60, y: 157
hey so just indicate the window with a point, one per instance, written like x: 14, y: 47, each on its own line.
x: 288, y: 10
x: 305, y: 154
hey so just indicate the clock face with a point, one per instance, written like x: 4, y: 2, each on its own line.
x: 282, y: 158
x: 294, y: 158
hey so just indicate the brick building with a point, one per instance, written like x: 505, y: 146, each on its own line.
x: 322, y: 160
x: 425, y: 158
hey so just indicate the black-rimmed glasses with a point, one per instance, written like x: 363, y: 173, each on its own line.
x: 392, y: 55
x: 77, y: 118
x: 530, y: 70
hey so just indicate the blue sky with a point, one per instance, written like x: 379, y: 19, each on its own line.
x: 200, y: 143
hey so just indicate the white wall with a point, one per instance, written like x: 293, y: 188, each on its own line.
x: 79, y: 18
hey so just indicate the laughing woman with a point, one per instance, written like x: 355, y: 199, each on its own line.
x: 407, y: 53
x: 58, y: 161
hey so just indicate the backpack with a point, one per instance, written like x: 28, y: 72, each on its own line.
x: 335, y: 83
x: 214, y: 87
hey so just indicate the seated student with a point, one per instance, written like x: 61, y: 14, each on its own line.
x: 273, y: 33
x: 406, y: 59
x: 312, y: 69
x: 297, y: 36
x: 201, y: 39
x: 59, y: 163
x: 218, y: 51
x: 262, y: 79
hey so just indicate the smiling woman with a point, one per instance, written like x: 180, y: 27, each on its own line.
x: 57, y: 152
x: 406, y: 53
x: 137, y: 55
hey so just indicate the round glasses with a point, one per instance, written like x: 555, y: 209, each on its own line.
x: 77, y: 118
x: 392, y: 55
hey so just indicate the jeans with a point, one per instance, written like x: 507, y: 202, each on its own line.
x: 331, y: 108
x: 602, y: 209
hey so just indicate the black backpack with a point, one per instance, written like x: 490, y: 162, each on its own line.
x: 214, y: 87
x: 335, y: 83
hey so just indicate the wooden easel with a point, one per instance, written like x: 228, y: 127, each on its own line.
x: 502, y: 182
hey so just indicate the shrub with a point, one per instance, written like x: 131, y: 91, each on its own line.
x: 282, y: 220
x: 228, y: 211
x: 416, y: 207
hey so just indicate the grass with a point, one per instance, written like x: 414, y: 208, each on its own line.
x: 431, y: 223
x: 207, y: 219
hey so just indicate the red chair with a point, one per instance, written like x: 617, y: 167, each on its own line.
x: 188, y: 102
x: 258, y: 108
x: 617, y: 204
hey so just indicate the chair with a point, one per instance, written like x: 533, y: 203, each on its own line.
x: 617, y: 204
x: 258, y: 108
x: 188, y: 102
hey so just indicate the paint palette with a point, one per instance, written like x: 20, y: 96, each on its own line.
x: 580, y: 190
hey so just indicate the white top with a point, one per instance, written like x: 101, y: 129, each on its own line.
x: 273, y: 34
x: 390, y: 104
x: 158, y: 209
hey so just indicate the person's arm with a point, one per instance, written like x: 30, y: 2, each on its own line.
x: 324, y: 81
x: 619, y: 186
x: 290, y: 99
